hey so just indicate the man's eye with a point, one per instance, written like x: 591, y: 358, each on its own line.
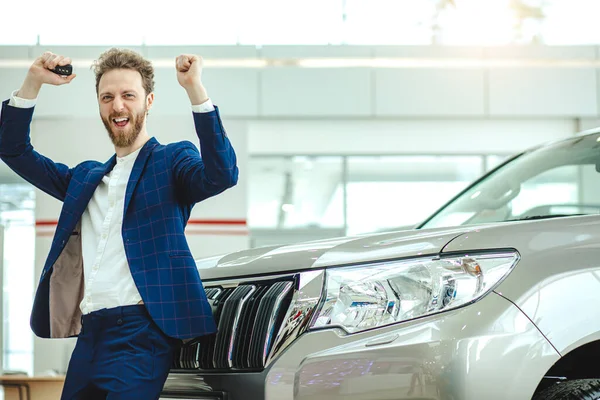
x: 105, y: 98
x: 129, y: 95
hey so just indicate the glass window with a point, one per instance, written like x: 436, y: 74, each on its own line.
x: 258, y: 22
x: 290, y: 22
x: 452, y: 22
x: 14, y: 30
x: 292, y: 192
x: 568, y: 22
x: 19, y: 242
x: 493, y: 161
x: 556, y: 180
x: 393, y: 192
x: 17, y: 204
x: 388, y: 22
x: 547, y: 192
x: 492, y: 20
x: 202, y: 22
x: 110, y: 23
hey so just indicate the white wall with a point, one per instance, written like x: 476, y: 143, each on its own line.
x: 403, y: 136
x: 450, y: 109
x: 553, y: 89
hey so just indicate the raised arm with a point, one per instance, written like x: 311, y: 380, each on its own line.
x: 15, y: 121
x: 215, y: 170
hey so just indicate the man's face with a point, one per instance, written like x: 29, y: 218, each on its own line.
x: 123, y: 105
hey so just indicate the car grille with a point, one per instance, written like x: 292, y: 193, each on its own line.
x: 248, y: 317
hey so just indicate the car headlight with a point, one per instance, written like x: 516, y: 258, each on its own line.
x: 370, y: 296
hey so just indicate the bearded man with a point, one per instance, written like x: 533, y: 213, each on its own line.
x: 120, y: 275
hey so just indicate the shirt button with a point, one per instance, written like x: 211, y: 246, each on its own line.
x: 104, y: 236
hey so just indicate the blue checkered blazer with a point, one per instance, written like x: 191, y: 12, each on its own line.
x: 165, y: 183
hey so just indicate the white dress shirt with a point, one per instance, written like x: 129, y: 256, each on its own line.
x: 108, y: 280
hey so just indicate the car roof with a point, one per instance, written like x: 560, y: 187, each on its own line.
x: 589, y: 131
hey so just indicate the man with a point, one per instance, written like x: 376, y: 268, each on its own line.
x: 120, y: 275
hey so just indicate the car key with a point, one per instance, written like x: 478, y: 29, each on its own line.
x: 64, y: 70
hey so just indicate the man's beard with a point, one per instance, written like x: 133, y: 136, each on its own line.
x: 125, y: 138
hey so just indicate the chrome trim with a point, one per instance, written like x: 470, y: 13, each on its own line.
x: 187, y: 382
x: 235, y: 324
x: 248, y: 280
x: 231, y: 306
x: 296, y: 321
x: 270, y: 328
x: 216, y: 294
x: 306, y: 290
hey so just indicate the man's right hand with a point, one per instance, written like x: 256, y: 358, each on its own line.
x: 40, y: 73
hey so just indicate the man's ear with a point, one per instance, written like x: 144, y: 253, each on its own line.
x: 149, y: 101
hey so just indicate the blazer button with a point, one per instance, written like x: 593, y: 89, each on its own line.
x: 119, y: 321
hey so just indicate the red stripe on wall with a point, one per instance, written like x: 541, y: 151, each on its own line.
x: 45, y: 223
x: 217, y: 222
x: 217, y: 232
x: 205, y: 233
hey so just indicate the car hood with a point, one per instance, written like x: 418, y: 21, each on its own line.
x: 329, y: 252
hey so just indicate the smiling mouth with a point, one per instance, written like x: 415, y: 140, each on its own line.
x: 120, y: 122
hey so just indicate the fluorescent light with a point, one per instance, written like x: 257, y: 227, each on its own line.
x: 442, y: 63
x: 218, y: 63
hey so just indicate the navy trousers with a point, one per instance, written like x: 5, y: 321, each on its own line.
x: 120, y: 354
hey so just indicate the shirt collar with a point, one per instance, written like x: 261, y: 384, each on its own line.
x: 128, y: 157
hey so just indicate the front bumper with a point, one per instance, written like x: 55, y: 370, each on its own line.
x: 487, y: 350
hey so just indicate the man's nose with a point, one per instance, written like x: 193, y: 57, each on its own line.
x: 118, y: 105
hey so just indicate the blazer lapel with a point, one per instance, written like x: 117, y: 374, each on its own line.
x: 138, y: 168
x: 90, y: 184
x: 82, y: 195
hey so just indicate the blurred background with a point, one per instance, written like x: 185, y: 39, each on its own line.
x: 308, y: 22
x: 347, y: 116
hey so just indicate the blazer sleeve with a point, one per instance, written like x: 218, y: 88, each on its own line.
x: 18, y: 153
x: 198, y: 177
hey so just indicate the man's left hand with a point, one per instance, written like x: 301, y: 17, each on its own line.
x: 189, y: 76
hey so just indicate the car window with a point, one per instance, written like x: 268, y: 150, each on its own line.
x: 556, y: 180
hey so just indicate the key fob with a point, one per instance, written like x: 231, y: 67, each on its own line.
x: 64, y: 70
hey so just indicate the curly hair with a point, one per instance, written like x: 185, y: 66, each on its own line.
x: 124, y: 59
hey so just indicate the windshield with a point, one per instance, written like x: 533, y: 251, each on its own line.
x: 560, y: 179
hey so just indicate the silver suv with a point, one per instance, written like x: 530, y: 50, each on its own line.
x: 495, y: 296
